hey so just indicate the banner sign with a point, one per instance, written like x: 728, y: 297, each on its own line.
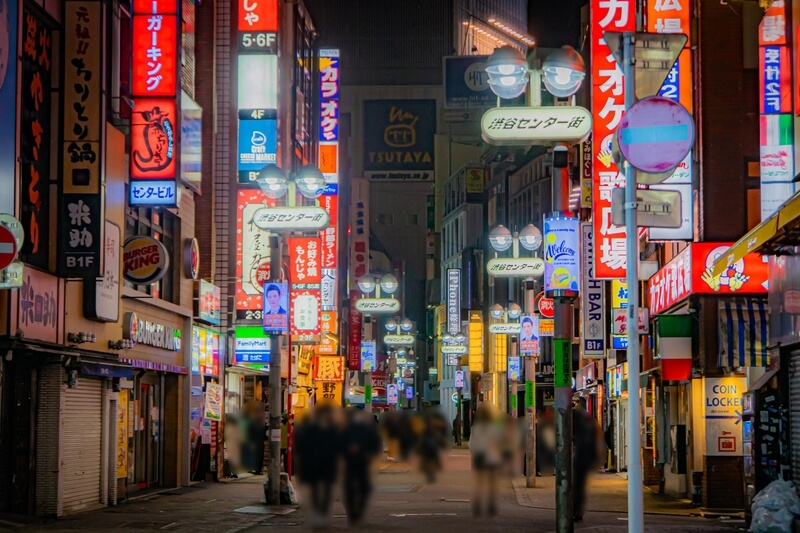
x: 608, y: 106
x: 529, y: 335
x: 305, y: 276
x: 9, y: 16
x: 276, y: 304
x: 399, y: 139
x: 359, y: 230
x: 453, y: 300
x: 354, y: 336
x: 514, y: 368
x: 368, y: 356
x: 466, y: 84
x: 561, y: 267
x: 328, y: 368
x: 208, y: 303
x: 36, y: 131
x: 329, y: 254
x: 257, y: 98
x: 214, y: 397
x: 80, y: 202
x: 154, y: 88
x: 252, y: 255
x: 329, y: 117
x: 593, y: 309
x: 723, y: 412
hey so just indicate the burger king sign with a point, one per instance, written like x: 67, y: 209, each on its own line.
x: 145, y: 260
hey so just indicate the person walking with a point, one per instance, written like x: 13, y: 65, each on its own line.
x: 484, y: 446
x: 318, y: 445
x: 585, y: 455
x: 361, y: 444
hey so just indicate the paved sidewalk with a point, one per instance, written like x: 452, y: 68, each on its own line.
x: 607, y: 493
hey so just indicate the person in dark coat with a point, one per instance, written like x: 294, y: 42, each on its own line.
x: 317, y: 444
x: 585, y: 434
x: 360, y: 444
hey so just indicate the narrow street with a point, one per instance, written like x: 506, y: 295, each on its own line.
x: 402, y: 502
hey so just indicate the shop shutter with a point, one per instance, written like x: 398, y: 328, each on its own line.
x: 794, y: 395
x: 82, y: 445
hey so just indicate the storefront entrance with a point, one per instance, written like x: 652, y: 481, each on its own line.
x: 148, y: 404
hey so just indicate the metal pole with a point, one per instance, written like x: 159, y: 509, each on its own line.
x: 530, y: 410
x: 368, y: 375
x: 459, y: 432
x: 562, y: 355
x: 275, y: 396
x: 635, y: 496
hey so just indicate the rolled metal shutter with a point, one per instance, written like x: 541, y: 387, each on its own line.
x: 82, y: 445
x: 794, y: 406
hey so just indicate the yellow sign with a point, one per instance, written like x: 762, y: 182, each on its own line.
x: 619, y: 294
x: 328, y: 345
x: 304, y: 357
x: 475, y: 180
x: 546, y: 327
x: 122, y: 435
x: 329, y: 392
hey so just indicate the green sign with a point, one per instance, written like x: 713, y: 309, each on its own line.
x: 368, y: 394
x: 562, y: 353
x: 530, y: 396
x: 514, y: 401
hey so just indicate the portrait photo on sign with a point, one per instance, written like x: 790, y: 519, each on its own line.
x: 529, y: 335
x: 276, y: 306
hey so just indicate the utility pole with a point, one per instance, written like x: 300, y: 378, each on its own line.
x: 562, y: 355
x: 530, y: 399
x: 275, y: 393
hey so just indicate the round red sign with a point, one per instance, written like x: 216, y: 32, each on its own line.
x: 546, y: 306
x: 8, y: 247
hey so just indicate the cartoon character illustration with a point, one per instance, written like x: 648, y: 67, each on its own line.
x: 604, y: 151
x: 733, y: 277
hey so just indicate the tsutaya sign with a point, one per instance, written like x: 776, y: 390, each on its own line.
x: 291, y: 218
x: 145, y: 332
x: 505, y: 329
x: 378, y: 305
x: 526, y: 125
x: 515, y: 267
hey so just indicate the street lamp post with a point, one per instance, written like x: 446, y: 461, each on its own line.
x: 400, y: 336
x: 274, y: 183
x: 530, y: 237
x: 457, y: 342
x: 563, y: 73
x: 388, y: 285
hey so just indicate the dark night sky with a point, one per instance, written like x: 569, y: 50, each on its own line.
x: 554, y: 23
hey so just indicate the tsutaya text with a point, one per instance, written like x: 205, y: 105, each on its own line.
x: 608, y: 106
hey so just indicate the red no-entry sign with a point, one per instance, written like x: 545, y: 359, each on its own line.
x: 8, y: 247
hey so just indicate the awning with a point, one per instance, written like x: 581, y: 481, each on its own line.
x: 743, y: 333
x: 779, y: 230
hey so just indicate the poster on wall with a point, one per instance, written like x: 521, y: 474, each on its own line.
x: 213, y: 407
x: 276, y: 304
x: 529, y: 335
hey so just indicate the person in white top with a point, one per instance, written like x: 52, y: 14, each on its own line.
x: 484, y: 445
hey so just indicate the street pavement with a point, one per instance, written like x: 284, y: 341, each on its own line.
x: 402, y: 501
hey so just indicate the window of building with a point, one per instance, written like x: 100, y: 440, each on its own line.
x: 386, y: 220
x: 412, y: 220
x: 164, y: 227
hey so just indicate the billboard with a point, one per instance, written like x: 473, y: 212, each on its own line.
x: 258, y: 146
x: 154, y: 88
x: 466, y: 83
x: 561, y: 244
x: 399, y: 139
x: 276, y: 305
x: 453, y: 300
x: 252, y: 255
x: 329, y: 115
x: 608, y: 106
x: 304, y: 294
x: 529, y: 335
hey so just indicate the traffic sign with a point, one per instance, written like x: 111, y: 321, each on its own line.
x: 655, y: 54
x: 654, y: 208
x: 8, y: 247
x: 655, y: 135
x: 15, y: 226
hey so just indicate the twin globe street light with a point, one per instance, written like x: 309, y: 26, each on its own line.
x: 274, y: 182
x: 563, y: 72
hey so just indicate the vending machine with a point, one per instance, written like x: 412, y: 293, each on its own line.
x: 765, y: 442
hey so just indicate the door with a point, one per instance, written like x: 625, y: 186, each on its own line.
x: 622, y: 436
x: 148, y: 435
x: 82, y: 446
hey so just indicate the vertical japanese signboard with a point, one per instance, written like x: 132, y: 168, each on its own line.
x: 9, y: 16
x: 354, y: 336
x: 453, y: 300
x: 775, y: 105
x: 329, y: 253
x: 593, y: 309
x: 329, y: 116
x: 304, y: 292
x: 674, y: 16
x: 80, y: 205
x: 608, y: 106
x: 359, y: 229
x: 257, y: 102
x: 35, y: 138
x: 252, y: 256
x: 154, y: 88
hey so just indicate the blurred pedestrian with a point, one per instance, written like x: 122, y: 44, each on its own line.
x: 361, y: 444
x: 484, y: 445
x: 432, y: 441
x: 318, y: 445
x: 585, y: 456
